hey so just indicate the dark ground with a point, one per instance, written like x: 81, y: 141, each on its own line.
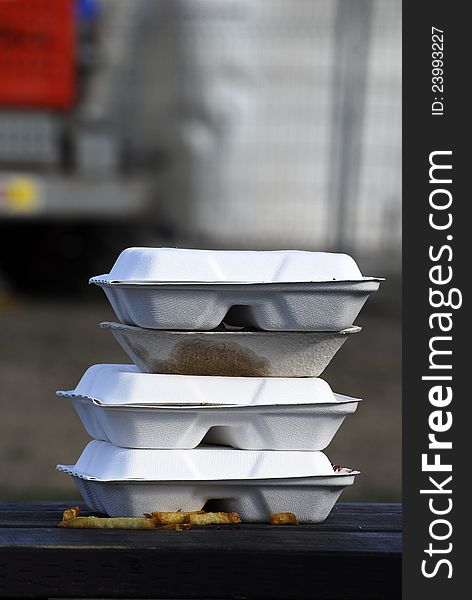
x: 46, y: 345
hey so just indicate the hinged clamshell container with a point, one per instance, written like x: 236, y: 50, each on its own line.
x: 179, y: 265
x: 118, y: 404
x: 125, y: 482
x: 264, y: 427
x: 289, y: 290
x: 230, y: 353
x: 125, y: 385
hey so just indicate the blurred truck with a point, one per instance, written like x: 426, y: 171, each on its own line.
x: 64, y: 186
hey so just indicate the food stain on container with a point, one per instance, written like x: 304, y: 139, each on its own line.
x: 201, y: 357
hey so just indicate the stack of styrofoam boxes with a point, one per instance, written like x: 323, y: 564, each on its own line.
x: 224, y: 402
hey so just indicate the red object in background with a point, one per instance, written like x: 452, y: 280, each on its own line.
x: 37, y: 53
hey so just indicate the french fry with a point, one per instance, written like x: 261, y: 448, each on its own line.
x: 177, y: 526
x: 174, y: 518
x: 71, y: 513
x: 211, y: 518
x: 108, y: 523
x: 284, y: 518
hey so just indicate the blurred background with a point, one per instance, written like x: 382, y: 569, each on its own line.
x: 256, y: 124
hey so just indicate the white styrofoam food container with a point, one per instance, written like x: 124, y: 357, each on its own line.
x: 268, y: 427
x: 125, y: 385
x: 179, y: 265
x: 230, y: 353
x: 118, y: 404
x: 125, y: 482
x: 286, y: 290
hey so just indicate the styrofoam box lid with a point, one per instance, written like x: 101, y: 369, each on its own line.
x: 126, y: 385
x: 104, y: 462
x: 243, y: 266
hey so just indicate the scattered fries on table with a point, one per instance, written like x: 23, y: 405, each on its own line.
x: 179, y: 520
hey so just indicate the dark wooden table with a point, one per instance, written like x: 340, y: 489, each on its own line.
x: 355, y: 553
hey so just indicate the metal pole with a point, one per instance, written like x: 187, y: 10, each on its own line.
x: 352, y: 44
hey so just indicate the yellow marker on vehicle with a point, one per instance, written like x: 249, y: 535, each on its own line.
x: 21, y: 194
